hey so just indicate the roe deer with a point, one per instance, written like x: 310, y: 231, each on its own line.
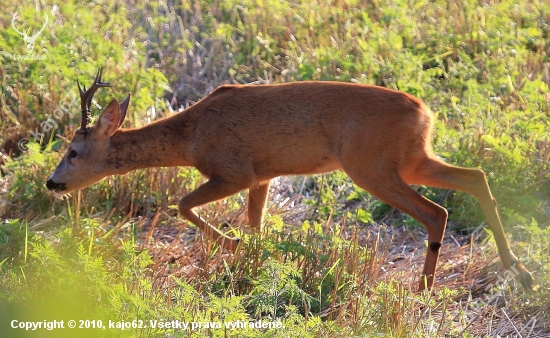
x: 240, y: 137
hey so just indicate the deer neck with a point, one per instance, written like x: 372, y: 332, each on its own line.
x: 145, y: 147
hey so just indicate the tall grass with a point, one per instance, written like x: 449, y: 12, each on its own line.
x: 325, y: 263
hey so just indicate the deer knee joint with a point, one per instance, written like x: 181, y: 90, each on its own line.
x: 181, y: 206
x: 435, y: 246
x: 184, y: 207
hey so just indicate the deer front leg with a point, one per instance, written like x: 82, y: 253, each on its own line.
x: 257, y: 197
x: 213, y: 190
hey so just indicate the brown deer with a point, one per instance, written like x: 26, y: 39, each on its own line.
x: 240, y: 137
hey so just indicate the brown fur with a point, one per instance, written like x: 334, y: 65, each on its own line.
x: 240, y: 137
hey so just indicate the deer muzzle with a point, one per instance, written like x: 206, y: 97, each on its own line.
x: 56, y: 187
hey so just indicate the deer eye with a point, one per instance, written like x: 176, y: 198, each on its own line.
x: 72, y: 154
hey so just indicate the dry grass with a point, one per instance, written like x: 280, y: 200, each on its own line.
x: 180, y: 251
x: 395, y: 258
x: 395, y: 253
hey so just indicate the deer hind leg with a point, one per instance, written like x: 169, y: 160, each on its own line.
x: 436, y: 173
x: 257, y: 197
x: 213, y: 190
x: 391, y: 189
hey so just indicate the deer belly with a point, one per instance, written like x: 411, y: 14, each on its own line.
x: 299, y: 164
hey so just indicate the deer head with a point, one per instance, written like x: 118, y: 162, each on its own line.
x: 29, y: 40
x: 84, y: 161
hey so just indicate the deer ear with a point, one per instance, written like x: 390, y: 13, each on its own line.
x: 109, y: 120
x: 123, y: 109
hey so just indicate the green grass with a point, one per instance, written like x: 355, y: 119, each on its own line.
x: 93, y: 274
x: 113, y: 251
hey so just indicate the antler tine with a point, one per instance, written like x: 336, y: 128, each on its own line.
x: 15, y: 17
x: 43, y: 26
x: 86, y: 96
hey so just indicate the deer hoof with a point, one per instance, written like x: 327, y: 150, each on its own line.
x: 526, y: 279
x: 230, y: 244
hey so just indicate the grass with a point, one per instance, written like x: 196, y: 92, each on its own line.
x: 331, y: 261
x: 318, y: 278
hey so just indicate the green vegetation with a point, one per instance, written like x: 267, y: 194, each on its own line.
x: 111, y: 252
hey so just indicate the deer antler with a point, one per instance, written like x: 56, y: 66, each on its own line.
x: 28, y: 39
x: 44, y: 26
x: 15, y: 17
x: 87, y: 95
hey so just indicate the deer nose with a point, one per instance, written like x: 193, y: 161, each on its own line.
x: 50, y: 184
